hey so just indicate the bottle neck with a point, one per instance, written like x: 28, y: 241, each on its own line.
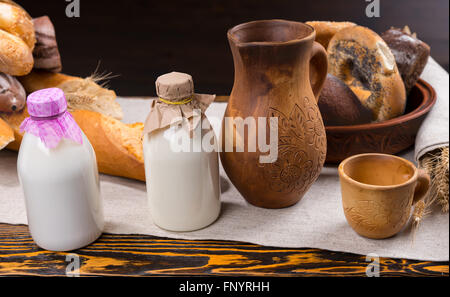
x: 34, y: 118
x: 177, y: 102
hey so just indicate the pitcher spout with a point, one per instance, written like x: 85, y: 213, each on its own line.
x: 271, y: 45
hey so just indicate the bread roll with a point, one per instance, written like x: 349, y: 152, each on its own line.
x: 362, y: 60
x: 118, y: 146
x: 16, y: 58
x: 80, y: 93
x: 339, y: 106
x: 15, y: 20
x: 326, y: 30
x: 17, y: 39
x: 6, y: 134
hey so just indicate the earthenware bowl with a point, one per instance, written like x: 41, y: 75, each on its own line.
x: 389, y: 137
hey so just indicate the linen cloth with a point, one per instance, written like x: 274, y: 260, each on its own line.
x: 317, y: 221
x: 434, y: 131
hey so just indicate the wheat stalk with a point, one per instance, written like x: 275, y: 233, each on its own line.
x: 436, y: 165
x: 103, y: 77
x: 441, y: 180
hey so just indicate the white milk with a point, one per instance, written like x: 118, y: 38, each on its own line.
x: 62, y: 193
x: 183, y: 187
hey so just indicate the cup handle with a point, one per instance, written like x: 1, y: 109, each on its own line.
x: 318, y: 68
x: 422, y: 187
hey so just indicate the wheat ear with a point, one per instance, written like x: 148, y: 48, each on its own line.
x: 103, y: 77
x: 435, y: 163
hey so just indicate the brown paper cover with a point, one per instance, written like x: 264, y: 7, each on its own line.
x: 163, y: 115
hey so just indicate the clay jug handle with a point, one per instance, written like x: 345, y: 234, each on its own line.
x: 318, y: 68
x: 422, y: 187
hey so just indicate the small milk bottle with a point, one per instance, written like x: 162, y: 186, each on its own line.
x: 182, y: 174
x: 58, y: 172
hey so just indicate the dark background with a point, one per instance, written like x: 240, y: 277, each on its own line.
x: 140, y: 40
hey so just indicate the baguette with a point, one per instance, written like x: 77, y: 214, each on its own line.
x: 118, y: 146
x: 80, y: 93
x: 6, y: 134
x: 14, y: 119
x: 40, y: 79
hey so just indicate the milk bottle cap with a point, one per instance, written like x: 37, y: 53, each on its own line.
x: 46, y: 103
x: 49, y: 119
x: 175, y: 87
x: 176, y: 103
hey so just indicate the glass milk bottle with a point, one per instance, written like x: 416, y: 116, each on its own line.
x: 182, y: 175
x: 58, y: 172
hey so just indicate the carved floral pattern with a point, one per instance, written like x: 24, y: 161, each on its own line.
x: 389, y: 140
x: 297, y: 167
x: 373, y: 216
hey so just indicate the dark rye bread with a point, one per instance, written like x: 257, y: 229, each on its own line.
x: 411, y: 54
x: 46, y: 54
x: 339, y: 106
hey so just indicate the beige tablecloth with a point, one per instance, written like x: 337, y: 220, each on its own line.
x: 317, y: 221
x: 434, y: 131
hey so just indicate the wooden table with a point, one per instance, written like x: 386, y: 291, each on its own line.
x: 138, y: 255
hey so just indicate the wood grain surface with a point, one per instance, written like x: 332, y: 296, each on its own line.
x: 139, y: 255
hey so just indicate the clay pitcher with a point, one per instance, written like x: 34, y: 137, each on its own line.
x: 279, y: 73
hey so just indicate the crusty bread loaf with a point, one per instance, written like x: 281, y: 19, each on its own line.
x: 40, y: 79
x: 14, y: 119
x: 17, y: 39
x: 326, y: 30
x: 16, y: 58
x: 6, y: 134
x: 81, y: 93
x: 118, y: 146
x: 15, y: 20
x: 361, y: 59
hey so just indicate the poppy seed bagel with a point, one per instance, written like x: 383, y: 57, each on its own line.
x: 362, y: 60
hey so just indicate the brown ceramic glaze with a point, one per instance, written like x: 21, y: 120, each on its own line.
x: 279, y: 72
x: 378, y: 191
x: 389, y: 137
